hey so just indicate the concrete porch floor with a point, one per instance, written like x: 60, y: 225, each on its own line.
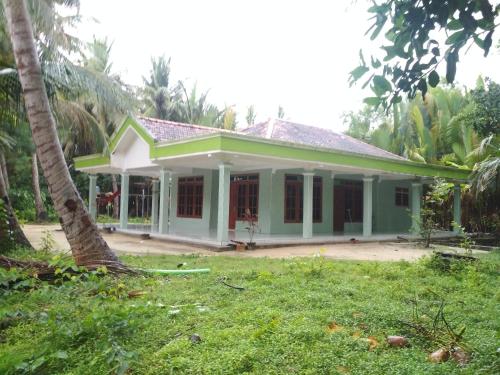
x: 209, y: 239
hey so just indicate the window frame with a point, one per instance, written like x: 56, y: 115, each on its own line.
x: 193, y: 182
x: 401, y: 197
x: 246, y: 180
x: 298, y: 183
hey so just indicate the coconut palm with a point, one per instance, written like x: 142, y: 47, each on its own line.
x: 160, y: 98
x: 87, y: 245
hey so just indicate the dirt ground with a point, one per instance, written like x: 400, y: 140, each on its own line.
x: 134, y: 245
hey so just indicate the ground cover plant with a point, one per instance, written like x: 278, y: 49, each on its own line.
x: 304, y: 316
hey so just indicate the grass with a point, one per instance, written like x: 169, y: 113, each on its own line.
x: 277, y: 325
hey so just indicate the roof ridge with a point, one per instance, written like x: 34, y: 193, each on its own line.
x: 187, y: 125
x: 270, y: 128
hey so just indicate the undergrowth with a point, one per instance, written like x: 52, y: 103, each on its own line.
x: 303, y: 316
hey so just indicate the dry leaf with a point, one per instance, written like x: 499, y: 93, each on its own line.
x: 334, y: 327
x: 356, y: 334
x: 342, y: 370
x: 136, y: 293
x: 460, y: 356
x: 373, y: 342
x: 440, y: 355
x: 398, y: 341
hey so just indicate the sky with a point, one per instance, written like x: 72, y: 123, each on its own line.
x: 297, y: 54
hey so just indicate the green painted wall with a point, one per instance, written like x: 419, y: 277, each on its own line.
x: 187, y: 224
x: 389, y: 218
x: 278, y: 225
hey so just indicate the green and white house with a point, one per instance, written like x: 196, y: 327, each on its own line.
x: 302, y: 183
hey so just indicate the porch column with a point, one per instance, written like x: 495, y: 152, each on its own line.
x: 416, y: 203
x: 165, y: 175
x: 307, y: 206
x: 124, y: 200
x: 223, y: 204
x: 457, y: 211
x: 154, y: 204
x: 93, y: 196
x: 367, y: 205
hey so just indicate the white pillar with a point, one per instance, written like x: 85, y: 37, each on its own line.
x: 223, y: 206
x: 416, y: 204
x: 154, y: 205
x: 165, y: 175
x: 367, y: 205
x: 307, y: 206
x: 457, y: 211
x: 124, y: 200
x: 93, y: 196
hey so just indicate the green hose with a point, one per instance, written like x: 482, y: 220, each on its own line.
x: 177, y: 272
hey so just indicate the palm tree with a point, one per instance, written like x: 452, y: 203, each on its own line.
x: 160, y: 98
x: 250, y: 117
x: 87, y: 245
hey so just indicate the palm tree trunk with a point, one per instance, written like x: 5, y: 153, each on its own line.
x: 17, y: 233
x: 87, y: 245
x: 3, y: 166
x: 41, y: 213
x: 116, y: 201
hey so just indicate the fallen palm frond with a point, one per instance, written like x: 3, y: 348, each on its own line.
x: 47, y: 272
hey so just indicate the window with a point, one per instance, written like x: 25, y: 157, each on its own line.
x: 248, y: 194
x: 401, y: 197
x: 317, y: 199
x: 190, y: 197
x: 294, y: 199
x: 353, y: 198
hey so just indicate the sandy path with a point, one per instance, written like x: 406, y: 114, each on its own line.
x: 126, y: 244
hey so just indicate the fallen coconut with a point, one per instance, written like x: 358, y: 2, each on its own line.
x: 440, y: 355
x: 397, y: 341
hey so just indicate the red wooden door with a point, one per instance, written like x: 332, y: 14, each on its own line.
x: 338, y: 208
x: 233, y: 204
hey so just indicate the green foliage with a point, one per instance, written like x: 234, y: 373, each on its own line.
x: 411, y: 46
x: 278, y: 324
x: 485, y: 116
x: 429, y: 220
x: 6, y: 235
x: 47, y: 242
x: 23, y: 202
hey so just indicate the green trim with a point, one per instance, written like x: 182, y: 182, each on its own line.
x: 244, y: 144
x: 212, y: 143
x: 89, y: 161
x: 130, y: 122
x: 237, y: 144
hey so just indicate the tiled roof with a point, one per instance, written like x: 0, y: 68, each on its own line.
x: 287, y: 131
x: 279, y: 130
x: 163, y: 130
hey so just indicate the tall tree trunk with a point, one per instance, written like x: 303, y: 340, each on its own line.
x: 3, y: 166
x: 87, y: 245
x: 116, y: 201
x: 41, y: 213
x: 14, y: 227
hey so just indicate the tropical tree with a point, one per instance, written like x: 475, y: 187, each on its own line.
x: 160, y: 97
x: 87, y: 245
x: 250, y: 117
x: 281, y: 112
x: 413, y: 31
